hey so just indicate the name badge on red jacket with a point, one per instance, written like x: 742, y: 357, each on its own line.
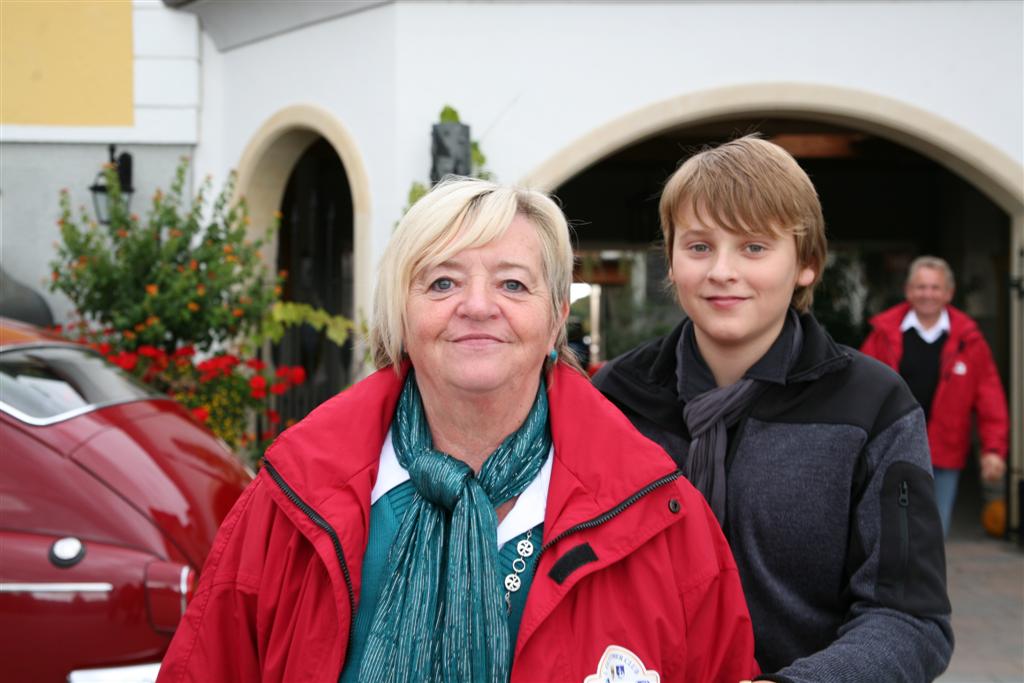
x: 619, y: 665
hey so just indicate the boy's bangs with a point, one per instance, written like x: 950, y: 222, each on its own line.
x: 743, y: 215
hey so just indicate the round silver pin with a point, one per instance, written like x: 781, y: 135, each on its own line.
x: 512, y: 583
x: 524, y: 548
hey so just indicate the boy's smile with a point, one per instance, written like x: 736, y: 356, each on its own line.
x: 735, y: 287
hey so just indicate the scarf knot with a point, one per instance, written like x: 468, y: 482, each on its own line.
x: 441, y: 614
x: 439, y: 478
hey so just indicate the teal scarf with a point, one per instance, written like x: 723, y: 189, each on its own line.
x: 441, y: 615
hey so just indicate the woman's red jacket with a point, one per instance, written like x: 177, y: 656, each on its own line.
x: 632, y: 557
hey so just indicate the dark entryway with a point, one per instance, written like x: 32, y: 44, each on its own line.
x: 315, y: 247
x: 884, y: 204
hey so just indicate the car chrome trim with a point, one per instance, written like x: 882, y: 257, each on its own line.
x: 22, y: 346
x: 137, y: 673
x: 96, y: 587
x: 67, y: 415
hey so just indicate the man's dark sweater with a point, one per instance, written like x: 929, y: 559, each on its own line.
x: 830, y: 509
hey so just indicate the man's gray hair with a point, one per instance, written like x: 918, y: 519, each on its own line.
x: 931, y: 262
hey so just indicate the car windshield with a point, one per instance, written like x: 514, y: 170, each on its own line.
x: 49, y: 383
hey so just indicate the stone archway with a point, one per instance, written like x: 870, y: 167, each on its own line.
x: 980, y: 163
x: 267, y: 163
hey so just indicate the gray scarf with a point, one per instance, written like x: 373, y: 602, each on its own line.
x: 709, y: 415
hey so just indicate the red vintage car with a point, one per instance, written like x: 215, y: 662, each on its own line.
x: 110, y: 496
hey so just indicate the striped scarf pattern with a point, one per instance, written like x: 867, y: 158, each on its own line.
x: 441, y: 614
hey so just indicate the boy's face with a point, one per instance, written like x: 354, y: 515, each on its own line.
x: 735, y: 287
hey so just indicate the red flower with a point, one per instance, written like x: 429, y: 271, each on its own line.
x: 258, y: 384
x: 201, y: 414
x: 282, y: 372
x: 184, y: 352
x: 298, y: 374
x: 103, y: 348
x: 273, y: 416
x: 256, y: 364
x: 150, y: 351
x: 126, y: 360
x: 278, y: 388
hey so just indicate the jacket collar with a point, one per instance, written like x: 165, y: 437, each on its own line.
x: 644, y: 380
x: 330, y: 458
x: 961, y: 325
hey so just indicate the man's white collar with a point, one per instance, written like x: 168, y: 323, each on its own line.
x: 930, y: 335
x: 527, y: 512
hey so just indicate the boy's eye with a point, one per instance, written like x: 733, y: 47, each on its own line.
x: 513, y: 286
x: 700, y: 248
x: 756, y: 248
x: 442, y: 284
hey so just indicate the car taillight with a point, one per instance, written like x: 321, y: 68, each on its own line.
x: 169, y: 588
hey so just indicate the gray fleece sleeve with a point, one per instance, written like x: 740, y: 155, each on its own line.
x: 898, y: 626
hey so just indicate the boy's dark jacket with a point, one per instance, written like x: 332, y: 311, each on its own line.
x: 830, y: 511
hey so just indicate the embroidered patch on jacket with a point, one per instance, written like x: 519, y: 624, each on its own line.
x: 619, y: 665
x: 960, y: 368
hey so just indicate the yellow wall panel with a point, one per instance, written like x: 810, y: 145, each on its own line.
x: 66, y: 63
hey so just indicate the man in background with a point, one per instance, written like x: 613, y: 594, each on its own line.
x: 943, y: 357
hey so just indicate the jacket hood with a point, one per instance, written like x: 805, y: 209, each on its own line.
x: 334, y: 452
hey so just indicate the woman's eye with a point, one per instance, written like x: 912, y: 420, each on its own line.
x: 513, y: 286
x: 442, y: 284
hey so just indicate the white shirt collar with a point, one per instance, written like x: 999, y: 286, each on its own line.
x: 929, y: 335
x: 527, y: 512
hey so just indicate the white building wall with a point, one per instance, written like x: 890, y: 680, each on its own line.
x: 530, y: 78
x: 346, y: 66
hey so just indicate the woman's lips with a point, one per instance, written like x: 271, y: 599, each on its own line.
x: 477, y: 340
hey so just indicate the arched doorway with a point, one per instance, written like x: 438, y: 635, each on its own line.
x: 304, y: 163
x: 971, y: 183
x: 315, y: 244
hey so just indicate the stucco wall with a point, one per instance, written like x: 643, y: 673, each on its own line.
x: 531, y: 78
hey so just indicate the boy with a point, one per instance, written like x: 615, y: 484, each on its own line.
x: 813, y: 457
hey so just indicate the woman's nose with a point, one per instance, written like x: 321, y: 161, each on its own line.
x: 478, y: 300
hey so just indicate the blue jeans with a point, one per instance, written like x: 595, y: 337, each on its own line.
x: 946, y: 482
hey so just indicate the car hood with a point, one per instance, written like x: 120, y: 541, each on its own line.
x: 168, y: 467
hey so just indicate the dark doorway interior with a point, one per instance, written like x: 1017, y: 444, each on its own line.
x: 884, y: 204
x: 315, y: 247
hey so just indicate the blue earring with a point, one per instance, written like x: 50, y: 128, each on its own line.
x: 553, y: 355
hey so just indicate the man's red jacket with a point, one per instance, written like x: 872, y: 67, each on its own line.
x: 634, y: 571
x: 968, y: 383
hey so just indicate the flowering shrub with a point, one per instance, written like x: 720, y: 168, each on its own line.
x: 184, y: 304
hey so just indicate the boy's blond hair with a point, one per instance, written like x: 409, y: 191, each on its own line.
x: 754, y: 187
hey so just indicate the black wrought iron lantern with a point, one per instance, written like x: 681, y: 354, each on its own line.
x: 122, y: 164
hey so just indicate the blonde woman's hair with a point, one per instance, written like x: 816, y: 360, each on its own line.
x: 459, y: 214
x: 754, y: 187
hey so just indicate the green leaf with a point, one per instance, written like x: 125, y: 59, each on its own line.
x: 449, y: 115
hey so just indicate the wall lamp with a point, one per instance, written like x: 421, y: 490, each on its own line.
x: 122, y: 165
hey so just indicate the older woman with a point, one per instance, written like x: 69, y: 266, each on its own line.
x: 474, y: 511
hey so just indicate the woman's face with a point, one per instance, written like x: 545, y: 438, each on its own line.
x: 482, y: 321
